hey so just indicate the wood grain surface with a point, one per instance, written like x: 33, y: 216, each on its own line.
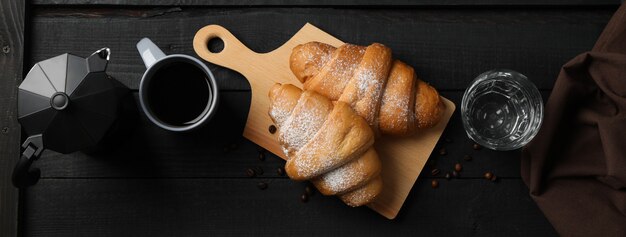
x: 447, y: 47
x: 11, y: 58
x: 346, y: 3
x: 236, y: 207
x: 154, y: 183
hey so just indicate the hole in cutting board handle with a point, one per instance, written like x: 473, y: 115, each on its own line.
x: 215, y: 44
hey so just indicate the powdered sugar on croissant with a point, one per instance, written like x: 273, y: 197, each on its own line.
x: 386, y: 92
x: 326, y: 142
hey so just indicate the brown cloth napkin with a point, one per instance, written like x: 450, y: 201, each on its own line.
x: 575, y: 167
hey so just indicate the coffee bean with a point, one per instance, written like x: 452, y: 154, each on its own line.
x: 448, y: 140
x: 250, y: 173
x: 443, y: 151
x: 467, y: 158
x: 272, y: 129
x: 455, y: 174
x: 494, y: 178
x: 304, y: 198
x: 488, y: 176
x: 434, y: 172
x: 458, y: 167
x: 448, y: 175
x: 280, y: 171
x: 262, y: 185
x: 476, y: 146
x: 259, y: 170
x: 308, y: 190
x: 261, y: 156
x: 434, y: 183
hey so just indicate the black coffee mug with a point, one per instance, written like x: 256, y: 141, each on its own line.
x: 177, y: 92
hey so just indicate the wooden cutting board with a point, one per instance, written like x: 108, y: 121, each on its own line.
x: 403, y: 158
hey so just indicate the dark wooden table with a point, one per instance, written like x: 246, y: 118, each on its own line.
x: 155, y: 183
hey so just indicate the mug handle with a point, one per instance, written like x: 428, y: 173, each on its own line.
x: 150, y: 53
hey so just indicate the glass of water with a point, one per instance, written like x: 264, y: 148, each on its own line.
x: 501, y: 110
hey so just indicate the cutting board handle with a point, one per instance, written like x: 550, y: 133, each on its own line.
x: 234, y: 55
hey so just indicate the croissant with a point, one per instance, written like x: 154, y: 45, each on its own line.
x: 327, y: 143
x: 386, y: 92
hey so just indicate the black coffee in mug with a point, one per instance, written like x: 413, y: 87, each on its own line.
x: 179, y: 93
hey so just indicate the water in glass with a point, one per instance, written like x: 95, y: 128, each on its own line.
x: 501, y: 110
